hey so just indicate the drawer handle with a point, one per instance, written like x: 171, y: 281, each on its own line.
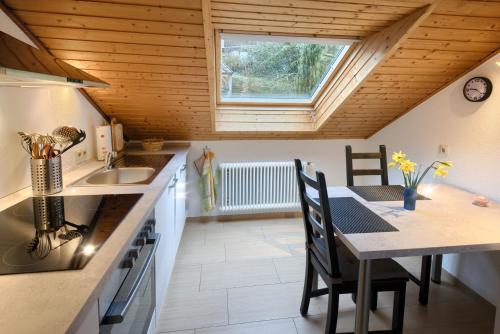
x: 174, y: 183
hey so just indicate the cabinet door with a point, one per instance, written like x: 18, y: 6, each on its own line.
x: 165, y: 254
x: 180, y: 201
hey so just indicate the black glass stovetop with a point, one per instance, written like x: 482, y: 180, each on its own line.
x: 58, y: 232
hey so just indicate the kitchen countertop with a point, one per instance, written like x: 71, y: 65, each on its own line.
x: 54, y: 302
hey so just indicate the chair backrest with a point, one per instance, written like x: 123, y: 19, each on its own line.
x: 351, y: 172
x: 317, y: 217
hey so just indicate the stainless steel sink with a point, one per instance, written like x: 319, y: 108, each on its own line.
x: 118, y: 176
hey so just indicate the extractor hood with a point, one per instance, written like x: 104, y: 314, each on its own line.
x: 23, y: 65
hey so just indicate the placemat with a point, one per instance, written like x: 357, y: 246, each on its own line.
x: 382, y: 193
x: 350, y: 216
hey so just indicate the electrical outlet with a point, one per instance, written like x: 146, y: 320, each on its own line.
x: 81, y: 155
x: 444, y: 149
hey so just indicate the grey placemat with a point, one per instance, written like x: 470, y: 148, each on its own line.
x: 350, y: 216
x: 382, y: 193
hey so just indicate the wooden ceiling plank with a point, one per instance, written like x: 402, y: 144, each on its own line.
x: 304, y: 11
x: 323, y: 5
x: 134, y: 49
x: 127, y: 58
x: 145, y: 68
x: 116, y: 36
x: 186, y: 4
x: 295, y: 24
x: 299, y: 18
x: 290, y: 30
x: 110, y: 10
x: 110, y: 24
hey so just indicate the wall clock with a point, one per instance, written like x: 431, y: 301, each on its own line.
x: 478, y: 89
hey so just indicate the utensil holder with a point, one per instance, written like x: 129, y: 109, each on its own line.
x: 46, y: 176
x: 48, y: 212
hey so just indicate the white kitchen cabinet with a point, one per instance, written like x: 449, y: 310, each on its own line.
x: 170, y: 215
x: 180, y: 202
x: 165, y: 254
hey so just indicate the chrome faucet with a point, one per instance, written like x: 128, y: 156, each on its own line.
x: 108, y: 161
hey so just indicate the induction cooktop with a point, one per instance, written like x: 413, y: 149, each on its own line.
x: 58, y: 232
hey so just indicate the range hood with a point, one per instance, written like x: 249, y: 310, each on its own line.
x: 23, y: 65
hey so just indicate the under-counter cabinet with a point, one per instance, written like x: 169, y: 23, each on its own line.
x: 170, y: 215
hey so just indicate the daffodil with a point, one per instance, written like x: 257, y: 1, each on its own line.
x: 392, y: 164
x: 446, y: 163
x: 398, y: 157
x: 407, y: 166
x: 441, y: 171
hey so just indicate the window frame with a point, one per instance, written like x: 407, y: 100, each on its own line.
x: 280, y: 102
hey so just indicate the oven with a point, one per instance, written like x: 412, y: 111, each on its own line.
x: 132, y: 307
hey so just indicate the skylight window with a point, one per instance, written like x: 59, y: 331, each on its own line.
x: 273, y: 69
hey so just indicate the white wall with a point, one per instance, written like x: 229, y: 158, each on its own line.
x: 37, y: 110
x: 472, y: 132
x: 327, y: 156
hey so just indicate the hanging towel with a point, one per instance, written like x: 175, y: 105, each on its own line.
x: 208, y: 182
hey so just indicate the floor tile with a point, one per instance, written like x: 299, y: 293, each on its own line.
x: 193, y: 310
x: 255, y: 250
x: 201, y: 255
x: 238, y: 274
x: 284, y: 326
x: 291, y: 269
x: 185, y: 278
x: 266, y: 302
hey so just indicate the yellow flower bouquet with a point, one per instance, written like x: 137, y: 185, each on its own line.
x: 413, y: 175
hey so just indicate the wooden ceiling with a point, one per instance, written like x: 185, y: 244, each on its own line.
x: 153, y: 54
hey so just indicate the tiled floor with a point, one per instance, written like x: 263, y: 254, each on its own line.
x: 246, y: 277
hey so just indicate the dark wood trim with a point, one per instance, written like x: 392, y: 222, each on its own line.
x: 42, y: 47
x: 248, y: 216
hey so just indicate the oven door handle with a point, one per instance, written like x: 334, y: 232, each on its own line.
x: 118, y: 308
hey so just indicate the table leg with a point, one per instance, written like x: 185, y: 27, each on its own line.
x: 436, y: 268
x: 363, y: 297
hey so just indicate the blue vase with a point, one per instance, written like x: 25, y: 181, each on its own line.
x: 410, y: 198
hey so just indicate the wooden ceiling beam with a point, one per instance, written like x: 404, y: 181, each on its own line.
x: 367, y: 56
x: 209, y: 33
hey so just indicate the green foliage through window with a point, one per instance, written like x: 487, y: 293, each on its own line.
x: 253, y: 68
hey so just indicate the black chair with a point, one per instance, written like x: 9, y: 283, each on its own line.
x: 337, y: 266
x: 425, y: 272
x: 351, y: 172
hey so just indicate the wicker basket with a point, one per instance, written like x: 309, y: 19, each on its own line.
x: 152, y: 144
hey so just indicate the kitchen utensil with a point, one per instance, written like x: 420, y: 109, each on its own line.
x: 69, y: 136
x: 25, y: 141
x: 33, y: 244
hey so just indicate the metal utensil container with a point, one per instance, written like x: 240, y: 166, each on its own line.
x: 48, y: 212
x: 46, y: 176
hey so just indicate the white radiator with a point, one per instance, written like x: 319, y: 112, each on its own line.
x: 258, y: 185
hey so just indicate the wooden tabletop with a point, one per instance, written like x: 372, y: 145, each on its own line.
x: 449, y: 223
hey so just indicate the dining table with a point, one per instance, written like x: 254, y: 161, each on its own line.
x: 445, y: 222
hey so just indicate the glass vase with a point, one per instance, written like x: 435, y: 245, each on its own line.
x: 410, y: 198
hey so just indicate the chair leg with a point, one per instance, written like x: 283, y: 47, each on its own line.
x: 308, y: 281
x: 374, y: 301
x: 398, y: 311
x: 425, y: 280
x: 333, y: 312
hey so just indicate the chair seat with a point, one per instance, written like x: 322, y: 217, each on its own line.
x: 382, y: 269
